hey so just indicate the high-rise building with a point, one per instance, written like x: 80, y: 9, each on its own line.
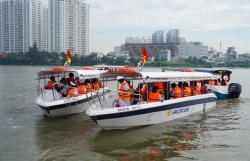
x: 158, y: 37
x: 69, y: 26
x: 44, y: 29
x: 173, y: 36
x: 20, y: 25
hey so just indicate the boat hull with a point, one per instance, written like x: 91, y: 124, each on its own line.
x: 151, y: 113
x: 66, y: 105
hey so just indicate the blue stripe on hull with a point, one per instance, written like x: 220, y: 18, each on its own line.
x: 221, y: 96
x: 157, y: 109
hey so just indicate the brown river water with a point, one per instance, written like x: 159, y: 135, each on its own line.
x: 222, y: 133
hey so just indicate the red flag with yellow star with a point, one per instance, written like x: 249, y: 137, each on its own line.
x: 144, y: 55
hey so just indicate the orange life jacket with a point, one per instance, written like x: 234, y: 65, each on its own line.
x: 82, y: 89
x: 187, y: 92
x: 50, y: 84
x: 71, y: 91
x: 90, y: 87
x: 153, y: 97
x: 100, y: 84
x: 197, y: 90
x: 126, y: 95
x: 177, y: 92
x: 193, y: 93
x: 204, y: 89
x: 218, y: 84
x: 211, y: 82
x: 97, y: 85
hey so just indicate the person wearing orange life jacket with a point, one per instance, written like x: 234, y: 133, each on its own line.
x: 131, y: 90
x: 100, y: 83
x: 175, y: 92
x: 218, y: 82
x: 160, y: 86
x: 180, y: 85
x: 197, y: 88
x: 211, y: 82
x: 73, y: 90
x: 50, y: 83
x: 82, y: 88
x: 187, y: 90
x: 124, y: 92
x: 203, y: 88
x: 154, y: 95
x: 89, y: 86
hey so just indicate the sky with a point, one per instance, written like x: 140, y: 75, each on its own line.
x: 209, y: 21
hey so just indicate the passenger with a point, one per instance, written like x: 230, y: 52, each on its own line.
x: 180, y: 85
x: 137, y: 94
x: 154, y: 95
x: 63, y: 89
x: 100, y: 83
x: 197, y: 88
x: 160, y: 86
x: 187, y: 90
x: 165, y: 90
x: 73, y: 91
x: 175, y: 92
x: 224, y: 83
x: 77, y: 81
x: 51, y: 83
x: 89, y: 85
x: 124, y: 92
x: 70, y: 79
x: 203, y: 88
x: 193, y: 91
x: 145, y: 91
x: 211, y: 82
x: 131, y: 91
x: 82, y: 87
x: 219, y: 82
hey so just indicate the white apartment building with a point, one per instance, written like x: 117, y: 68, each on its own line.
x: 44, y: 30
x: 69, y: 26
x: 193, y: 49
x: 158, y: 37
x: 165, y: 55
x: 173, y: 36
x: 20, y: 25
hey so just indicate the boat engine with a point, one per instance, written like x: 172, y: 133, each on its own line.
x: 234, y: 90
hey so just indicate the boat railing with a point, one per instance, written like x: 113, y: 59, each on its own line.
x: 100, y: 95
x: 40, y: 91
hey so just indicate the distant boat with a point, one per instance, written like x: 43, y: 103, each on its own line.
x: 232, y: 90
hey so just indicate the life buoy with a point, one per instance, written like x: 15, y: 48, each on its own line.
x: 88, y: 68
x: 187, y: 70
x: 59, y: 69
x: 227, y: 75
x: 127, y: 70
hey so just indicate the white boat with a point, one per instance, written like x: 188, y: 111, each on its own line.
x: 108, y: 117
x: 233, y: 90
x: 53, y: 104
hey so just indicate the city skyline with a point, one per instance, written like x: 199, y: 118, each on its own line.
x: 209, y: 21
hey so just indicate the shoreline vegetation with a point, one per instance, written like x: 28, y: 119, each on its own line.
x: 35, y: 57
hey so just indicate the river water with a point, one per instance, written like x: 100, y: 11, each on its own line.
x: 221, y: 133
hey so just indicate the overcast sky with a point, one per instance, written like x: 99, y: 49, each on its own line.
x: 207, y: 21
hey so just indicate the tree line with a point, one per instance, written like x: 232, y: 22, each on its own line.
x: 35, y: 57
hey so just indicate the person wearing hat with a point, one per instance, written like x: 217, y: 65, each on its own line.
x: 50, y: 83
x: 124, y: 92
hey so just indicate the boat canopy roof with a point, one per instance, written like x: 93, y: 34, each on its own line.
x: 206, y: 70
x: 169, y: 76
x: 83, y: 74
